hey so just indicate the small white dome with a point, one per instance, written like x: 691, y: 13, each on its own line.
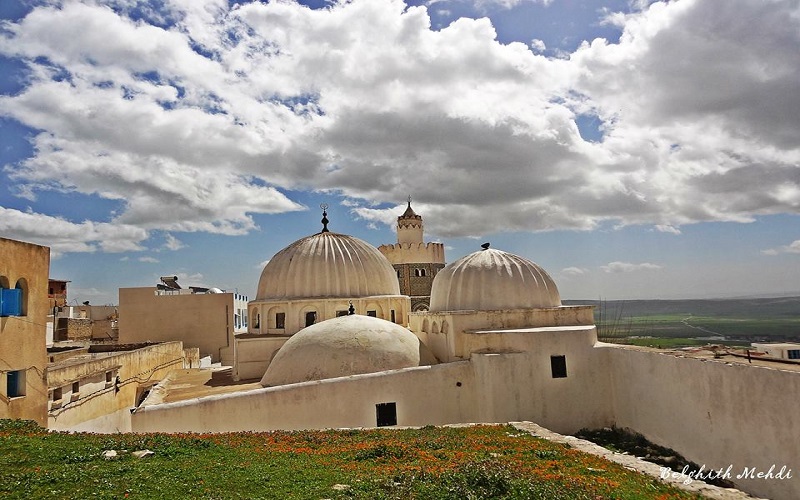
x: 343, y: 346
x: 490, y: 280
x: 327, y: 265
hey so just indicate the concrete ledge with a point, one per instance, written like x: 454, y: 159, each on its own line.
x: 633, y: 463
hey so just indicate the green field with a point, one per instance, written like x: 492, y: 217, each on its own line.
x: 739, y: 321
x: 435, y: 463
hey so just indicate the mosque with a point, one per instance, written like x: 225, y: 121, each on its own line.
x: 494, y: 344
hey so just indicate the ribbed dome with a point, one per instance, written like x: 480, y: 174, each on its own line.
x: 327, y: 265
x: 343, y: 346
x: 490, y: 280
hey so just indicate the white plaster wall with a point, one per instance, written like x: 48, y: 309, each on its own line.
x: 254, y: 356
x: 424, y: 395
x: 712, y: 412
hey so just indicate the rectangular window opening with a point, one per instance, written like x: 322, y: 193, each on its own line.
x: 15, y: 383
x: 392, y: 316
x: 558, y: 366
x: 341, y: 313
x: 280, y: 320
x: 311, y: 318
x: 386, y: 414
x: 794, y: 354
x: 374, y: 314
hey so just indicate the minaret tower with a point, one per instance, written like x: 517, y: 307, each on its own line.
x: 409, y: 226
x: 415, y: 261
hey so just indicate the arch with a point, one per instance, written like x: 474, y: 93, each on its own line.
x: 4, y: 282
x: 22, y: 284
x: 425, y: 325
x: 276, y: 318
x: 255, y: 318
x: 374, y: 306
x: 434, y: 328
x: 445, y: 326
x: 310, y: 315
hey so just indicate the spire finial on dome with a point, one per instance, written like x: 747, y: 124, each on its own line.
x: 409, y: 201
x: 324, y: 207
x: 486, y: 245
x: 351, y: 310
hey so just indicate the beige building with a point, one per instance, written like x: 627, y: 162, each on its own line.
x: 203, y: 318
x: 95, y: 387
x: 415, y: 262
x: 24, y: 306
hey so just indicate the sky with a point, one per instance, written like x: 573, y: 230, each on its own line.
x: 634, y: 149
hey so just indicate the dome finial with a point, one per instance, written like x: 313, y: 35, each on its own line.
x: 324, y: 207
x: 409, y: 201
x: 485, y: 246
x: 351, y: 310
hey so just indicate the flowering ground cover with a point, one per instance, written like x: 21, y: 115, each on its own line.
x: 465, y: 462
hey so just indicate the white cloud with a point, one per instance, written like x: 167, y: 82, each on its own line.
x: 173, y: 243
x: 628, y: 267
x: 151, y: 260
x: 62, y: 235
x: 538, y: 45
x: 261, y: 265
x: 699, y: 112
x: 667, y: 229
x: 573, y: 271
x: 792, y: 248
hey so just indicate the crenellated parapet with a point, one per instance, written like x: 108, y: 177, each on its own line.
x: 411, y: 253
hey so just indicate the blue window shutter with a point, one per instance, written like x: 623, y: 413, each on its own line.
x: 10, y: 302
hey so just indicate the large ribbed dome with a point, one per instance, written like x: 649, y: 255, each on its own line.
x: 493, y: 280
x: 343, y: 346
x: 327, y: 265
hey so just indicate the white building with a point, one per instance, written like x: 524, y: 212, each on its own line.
x: 505, y: 350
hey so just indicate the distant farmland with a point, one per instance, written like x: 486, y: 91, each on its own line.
x: 738, y: 320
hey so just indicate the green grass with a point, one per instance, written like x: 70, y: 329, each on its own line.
x: 436, y: 463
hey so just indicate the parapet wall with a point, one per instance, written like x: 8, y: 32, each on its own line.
x: 411, y: 253
x: 715, y: 413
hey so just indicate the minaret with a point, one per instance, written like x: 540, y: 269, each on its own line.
x: 415, y: 261
x: 409, y: 226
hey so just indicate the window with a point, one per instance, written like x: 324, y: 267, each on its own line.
x: 392, y: 316
x: 794, y: 353
x: 419, y: 272
x: 341, y: 313
x: 311, y: 317
x: 558, y: 366
x: 386, y: 414
x: 10, y: 302
x: 76, y: 391
x: 280, y: 320
x: 374, y: 314
x: 56, y: 394
x: 15, y: 383
x: 399, y: 274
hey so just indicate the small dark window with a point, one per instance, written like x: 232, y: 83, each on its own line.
x: 794, y: 354
x: 392, y: 316
x: 374, y: 314
x: 56, y: 394
x: 15, y: 383
x: 399, y: 274
x: 386, y: 414
x: 558, y: 366
x: 341, y: 313
x: 76, y: 387
x: 280, y: 320
x: 311, y: 317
